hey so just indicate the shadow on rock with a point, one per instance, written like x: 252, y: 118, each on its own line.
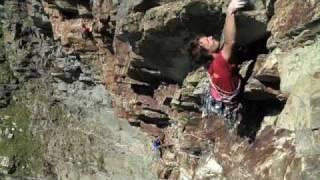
x: 253, y: 114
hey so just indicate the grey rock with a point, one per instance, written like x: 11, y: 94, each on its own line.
x: 161, y: 34
x: 14, y: 124
x: 67, y: 6
x: 255, y: 90
x: 86, y: 79
x: 303, y: 107
x: 308, y: 142
x: 5, y: 164
x: 91, y: 131
x: 5, y: 93
x: 304, y: 168
x: 298, y: 63
x: 43, y: 22
x: 6, y: 131
x: 245, y: 68
x: 202, y: 87
x: 57, y: 74
x: 4, y: 102
x: 84, y: 11
x: 209, y: 168
x: 10, y: 136
x: 62, y: 86
x: 2, y: 58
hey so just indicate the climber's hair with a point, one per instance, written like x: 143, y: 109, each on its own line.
x: 196, y: 52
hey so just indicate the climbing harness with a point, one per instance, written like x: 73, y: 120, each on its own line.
x: 225, y: 96
x: 225, y: 107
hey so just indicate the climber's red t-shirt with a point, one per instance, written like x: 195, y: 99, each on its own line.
x: 85, y: 30
x: 223, y: 74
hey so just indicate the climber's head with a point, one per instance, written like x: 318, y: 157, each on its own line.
x: 203, y: 47
x: 208, y: 43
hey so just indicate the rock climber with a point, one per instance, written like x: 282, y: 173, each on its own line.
x: 86, y: 32
x: 221, y: 97
x: 157, y: 145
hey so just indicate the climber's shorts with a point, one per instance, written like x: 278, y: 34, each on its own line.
x: 230, y: 112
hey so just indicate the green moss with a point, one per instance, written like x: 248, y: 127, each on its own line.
x: 25, y: 149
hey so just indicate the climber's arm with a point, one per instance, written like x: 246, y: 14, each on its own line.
x: 230, y: 28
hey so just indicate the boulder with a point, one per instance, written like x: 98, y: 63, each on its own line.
x: 303, y: 106
x: 160, y: 35
x: 307, y: 143
x: 6, y: 164
x: 303, y: 168
x: 67, y: 7
x: 297, y: 64
x: 299, y: 72
x: 290, y: 16
x: 266, y: 68
x: 209, y: 168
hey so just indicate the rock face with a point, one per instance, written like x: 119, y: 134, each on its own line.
x: 57, y: 119
x: 59, y: 90
x: 291, y: 18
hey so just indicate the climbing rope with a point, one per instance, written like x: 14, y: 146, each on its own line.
x: 225, y: 95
